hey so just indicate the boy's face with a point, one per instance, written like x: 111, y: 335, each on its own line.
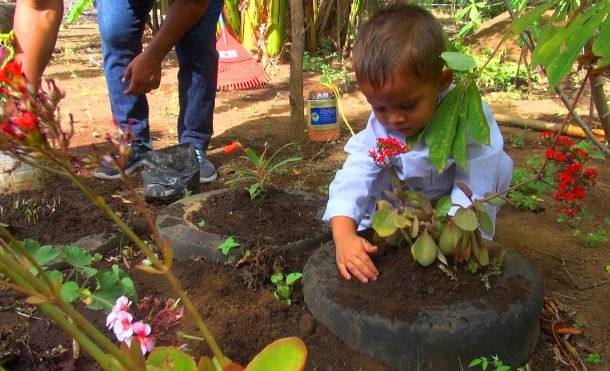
x: 406, y: 104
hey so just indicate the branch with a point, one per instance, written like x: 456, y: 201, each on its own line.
x: 527, y: 39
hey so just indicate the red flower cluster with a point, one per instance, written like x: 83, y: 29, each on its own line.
x: 20, y: 127
x: 386, y: 149
x: 572, y: 177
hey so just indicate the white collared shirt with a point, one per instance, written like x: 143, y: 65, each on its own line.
x: 359, y: 184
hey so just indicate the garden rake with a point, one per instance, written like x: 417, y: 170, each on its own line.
x: 237, y: 70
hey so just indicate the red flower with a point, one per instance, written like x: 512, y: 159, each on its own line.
x: 591, y: 171
x: 231, y: 147
x: 546, y: 134
x: 580, y: 152
x: 14, y: 69
x: 26, y: 121
x: 550, y: 153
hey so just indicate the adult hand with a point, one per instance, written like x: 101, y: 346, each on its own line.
x: 144, y: 71
x: 352, y: 253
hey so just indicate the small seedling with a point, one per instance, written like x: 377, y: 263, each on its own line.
x: 201, y: 223
x: 594, y: 358
x: 283, y: 287
x: 226, y: 248
x: 186, y: 193
x: 484, y: 363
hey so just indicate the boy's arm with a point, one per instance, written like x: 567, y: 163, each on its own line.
x: 352, y: 251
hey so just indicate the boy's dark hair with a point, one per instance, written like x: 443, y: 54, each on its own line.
x: 398, y: 40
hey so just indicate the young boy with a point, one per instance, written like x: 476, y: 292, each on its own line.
x: 400, y: 72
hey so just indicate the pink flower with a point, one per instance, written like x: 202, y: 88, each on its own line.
x: 122, y: 326
x: 121, y: 305
x: 141, y: 331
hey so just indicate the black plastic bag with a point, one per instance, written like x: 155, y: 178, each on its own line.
x: 170, y: 173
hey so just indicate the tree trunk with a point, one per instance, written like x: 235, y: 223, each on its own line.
x: 601, y: 104
x: 297, y: 130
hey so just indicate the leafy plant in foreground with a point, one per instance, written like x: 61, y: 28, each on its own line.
x: 261, y: 171
x: 283, y: 287
x: 410, y: 218
x: 36, y: 136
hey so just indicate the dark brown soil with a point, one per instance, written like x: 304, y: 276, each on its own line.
x: 404, y: 286
x: 254, y: 224
x: 61, y: 213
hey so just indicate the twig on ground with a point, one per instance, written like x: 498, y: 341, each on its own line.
x: 27, y: 315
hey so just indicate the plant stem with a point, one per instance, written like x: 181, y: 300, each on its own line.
x: 175, y: 285
x: 54, y: 310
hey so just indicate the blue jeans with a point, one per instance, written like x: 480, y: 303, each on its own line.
x: 121, y: 24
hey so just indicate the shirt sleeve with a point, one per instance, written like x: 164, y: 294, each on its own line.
x: 351, y: 193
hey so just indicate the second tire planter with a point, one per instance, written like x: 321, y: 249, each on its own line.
x: 187, y: 239
x: 436, y: 336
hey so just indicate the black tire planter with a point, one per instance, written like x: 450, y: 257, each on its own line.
x: 439, y: 338
x: 188, y: 240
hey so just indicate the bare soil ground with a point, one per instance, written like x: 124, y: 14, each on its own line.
x: 244, y: 320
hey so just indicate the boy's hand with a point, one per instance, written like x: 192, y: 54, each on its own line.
x: 353, y: 256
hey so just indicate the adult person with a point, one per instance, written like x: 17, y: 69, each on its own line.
x: 131, y: 72
x: 36, y: 24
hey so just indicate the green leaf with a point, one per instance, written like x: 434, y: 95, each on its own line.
x: 44, y: 255
x: 383, y: 221
x: 458, y: 146
x: 277, y: 277
x: 77, y: 9
x: 424, y: 249
x: 441, y: 129
x: 477, y: 122
x: 485, y: 221
x: 526, y: 20
x: 69, y: 291
x: 111, y: 285
x: 475, y: 362
x: 227, y: 245
x: 600, y: 45
x: 253, y: 157
x: 548, y: 44
x: 76, y: 256
x: 282, y: 163
x: 496, y: 201
x: 459, y: 61
x: 283, y: 354
x: 283, y: 291
x: 292, y: 277
x: 54, y: 274
x: 443, y: 206
x: 579, y: 32
x: 170, y: 359
x: 466, y: 219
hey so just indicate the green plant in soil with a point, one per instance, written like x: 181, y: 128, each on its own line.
x: 283, y: 285
x: 35, y: 135
x: 109, y: 285
x: 226, y: 247
x: 260, y: 170
x: 495, y: 362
